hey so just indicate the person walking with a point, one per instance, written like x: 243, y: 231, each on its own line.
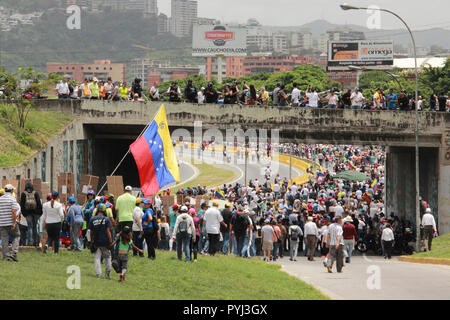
x: 350, y: 238
x: 125, y: 205
x: 387, y: 237
x: 75, y: 219
x: 124, y: 244
x: 100, y: 231
x: 226, y: 215
x: 173, y: 218
x: 311, y: 234
x: 267, y: 235
x: 213, y: 219
x: 184, y: 231
x: 239, y: 225
x: 429, y: 227
x: 138, y: 231
x: 294, y: 233
x: 52, y: 216
x: 335, y: 242
x: 194, y: 241
x: 150, y: 228
x: 9, y: 209
x: 31, y: 206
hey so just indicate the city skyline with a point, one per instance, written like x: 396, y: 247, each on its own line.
x: 416, y: 16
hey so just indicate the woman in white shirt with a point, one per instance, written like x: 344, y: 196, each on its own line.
x: 52, y: 215
x: 388, y: 240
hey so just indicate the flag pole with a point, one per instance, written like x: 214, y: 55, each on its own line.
x: 126, y: 154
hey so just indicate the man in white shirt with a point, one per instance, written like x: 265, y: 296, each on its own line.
x: 213, y: 219
x: 357, y: 99
x: 311, y: 235
x: 201, y: 95
x: 338, y: 210
x: 295, y: 95
x: 313, y: 97
x: 335, y: 241
x: 62, y: 89
x: 154, y: 92
x: 387, y: 237
x: 429, y: 227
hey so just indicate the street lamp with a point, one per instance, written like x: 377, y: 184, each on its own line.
x: 392, y: 75
x: 349, y: 7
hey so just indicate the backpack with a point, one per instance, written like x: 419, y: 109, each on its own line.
x: 164, y: 236
x: 241, y: 224
x: 30, y: 201
x: 183, y: 229
x: 294, y: 234
x: 77, y: 218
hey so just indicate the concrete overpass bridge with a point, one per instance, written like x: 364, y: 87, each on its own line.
x: 102, y: 132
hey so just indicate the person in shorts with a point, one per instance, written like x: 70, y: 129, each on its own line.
x: 267, y: 234
x: 125, y: 243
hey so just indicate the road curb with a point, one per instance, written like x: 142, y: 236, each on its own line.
x: 445, y: 262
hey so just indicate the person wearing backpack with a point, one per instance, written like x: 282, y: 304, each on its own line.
x: 76, y: 219
x: 184, y: 231
x: 151, y: 228
x: 295, y: 232
x: 239, y: 224
x: 31, y: 205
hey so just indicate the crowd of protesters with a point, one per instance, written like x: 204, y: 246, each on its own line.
x: 233, y: 93
x: 273, y: 218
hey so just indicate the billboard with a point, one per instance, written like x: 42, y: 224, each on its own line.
x: 376, y: 54
x: 210, y: 41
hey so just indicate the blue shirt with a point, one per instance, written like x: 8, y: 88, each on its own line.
x: 99, y: 225
x: 145, y: 218
x: 75, y: 215
x: 391, y: 98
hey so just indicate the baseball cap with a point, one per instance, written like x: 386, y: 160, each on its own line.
x: 138, y: 200
x: 145, y: 201
x: 55, y: 194
x: 191, y: 210
x: 9, y: 187
x: 126, y: 229
x: 183, y: 209
x: 91, y: 192
x: 128, y: 188
x: 175, y: 206
x: 428, y: 210
x: 102, y: 207
x: 72, y: 200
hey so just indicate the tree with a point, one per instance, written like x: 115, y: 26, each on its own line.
x: 16, y: 86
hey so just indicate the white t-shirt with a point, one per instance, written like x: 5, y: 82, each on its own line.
x: 63, y: 88
x: 137, y: 214
x: 213, y: 219
x: 338, y: 211
x: 313, y: 99
x: 155, y: 92
x: 357, y: 99
x: 295, y: 95
x: 52, y: 215
x: 201, y: 97
x: 75, y: 92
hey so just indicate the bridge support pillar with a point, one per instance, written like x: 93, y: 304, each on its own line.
x: 400, y: 183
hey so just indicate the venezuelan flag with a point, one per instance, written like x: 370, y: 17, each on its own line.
x: 219, y: 194
x: 155, y: 156
x: 351, y: 165
x: 374, y: 185
x: 368, y: 196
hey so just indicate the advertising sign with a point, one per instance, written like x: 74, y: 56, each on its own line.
x: 375, y: 54
x: 210, y: 41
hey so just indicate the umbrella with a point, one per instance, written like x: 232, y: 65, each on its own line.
x: 351, y: 175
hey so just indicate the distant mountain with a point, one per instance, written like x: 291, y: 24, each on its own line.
x: 424, y: 38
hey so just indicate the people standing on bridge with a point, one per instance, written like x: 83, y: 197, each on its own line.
x: 211, y: 94
x: 234, y: 92
x: 31, y: 207
x: 123, y: 92
x: 357, y: 99
x: 136, y: 88
x: 62, y: 88
x: 378, y: 100
x: 174, y: 92
x: 190, y: 93
x: 264, y: 96
x: 295, y: 95
x: 346, y: 101
x: 429, y: 227
x: 282, y: 96
x: 332, y: 100
x: 154, y: 92
x: 442, y: 102
x: 275, y: 95
x: 251, y: 97
x: 201, y: 95
x: 313, y: 97
x: 392, y: 100
x: 403, y: 101
x: 85, y: 90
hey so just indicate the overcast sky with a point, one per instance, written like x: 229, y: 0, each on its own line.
x: 419, y: 14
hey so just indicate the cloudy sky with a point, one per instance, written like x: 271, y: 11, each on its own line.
x: 419, y: 14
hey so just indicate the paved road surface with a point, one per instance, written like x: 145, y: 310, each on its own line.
x: 398, y: 280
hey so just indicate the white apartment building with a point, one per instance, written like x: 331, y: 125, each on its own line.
x: 184, y: 15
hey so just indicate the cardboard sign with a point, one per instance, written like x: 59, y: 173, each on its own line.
x: 115, y: 185
x: 167, y: 202
x: 87, y: 183
x: 66, y: 186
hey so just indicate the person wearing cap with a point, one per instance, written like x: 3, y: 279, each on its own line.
x: 201, y: 96
x: 357, y: 99
x: 95, y: 92
x: 295, y: 233
x: 125, y: 205
x: 190, y: 92
x: 75, y: 219
x: 267, y: 236
x: 52, y: 216
x: 429, y: 227
x: 174, y: 92
x: 335, y: 242
x: 213, y: 220
x: 184, y: 231
x: 9, y: 209
x: 350, y: 237
x: 101, y: 240
x: 138, y: 231
x: 154, y: 92
x: 172, y: 219
x: 311, y: 236
x: 151, y: 228
x: 227, y: 216
x: 211, y: 94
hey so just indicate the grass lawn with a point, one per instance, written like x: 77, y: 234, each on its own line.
x: 43, y: 276
x: 210, y: 175
x: 440, y: 249
x: 17, y: 145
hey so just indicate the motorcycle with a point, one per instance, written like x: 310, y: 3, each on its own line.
x: 368, y: 243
